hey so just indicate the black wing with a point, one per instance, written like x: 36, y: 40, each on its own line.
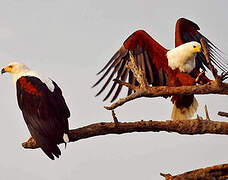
x: 187, y: 31
x: 45, y: 113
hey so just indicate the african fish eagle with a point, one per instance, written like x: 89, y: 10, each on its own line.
x: 43, y: 107
x: 177, y: 67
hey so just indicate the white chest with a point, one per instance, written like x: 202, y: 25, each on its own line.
x: 183, y: 61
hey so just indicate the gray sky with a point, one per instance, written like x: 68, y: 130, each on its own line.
x: 70, y: 41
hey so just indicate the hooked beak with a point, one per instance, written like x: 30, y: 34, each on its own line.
x: 198, y: 48
x: 3, y: 71
x: 7, y: 69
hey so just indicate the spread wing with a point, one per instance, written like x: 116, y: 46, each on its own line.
x: 187, y: 31
x: 149, y: 55
x: 45, y: 113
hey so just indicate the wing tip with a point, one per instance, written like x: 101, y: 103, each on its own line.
x: 186, y: 22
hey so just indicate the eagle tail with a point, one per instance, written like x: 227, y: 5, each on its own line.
x: 184, y: 107
x: 50, y: 150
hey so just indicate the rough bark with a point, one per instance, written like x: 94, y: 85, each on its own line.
x: 218, y: 172
x: 191, y: 127
x: 210, y: 88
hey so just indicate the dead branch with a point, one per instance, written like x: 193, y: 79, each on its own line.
x: 199, y: 77
x: 190, y: 127
x: 115, y: 119
x: 225, y: 114
x: 130, y: 86
x: 209, y: 88
x: 137, y: 71
x: 218, y: 172
x: 207, y: 55
x: 206, y: 113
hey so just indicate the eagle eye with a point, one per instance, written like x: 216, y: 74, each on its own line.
x: 194, y: 46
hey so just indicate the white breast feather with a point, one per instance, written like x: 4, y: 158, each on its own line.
x: 182, y: 59
x: 49, y: 84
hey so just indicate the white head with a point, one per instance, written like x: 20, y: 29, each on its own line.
x: 16, y: 69
x: 183, y: 56
x: 192, y: 47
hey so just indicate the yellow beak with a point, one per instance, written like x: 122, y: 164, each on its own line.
x: 198, y: 49
x: 6, y: 69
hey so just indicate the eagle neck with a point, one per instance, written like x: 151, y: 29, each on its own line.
x: 18, y: 75
x: 28, y: 72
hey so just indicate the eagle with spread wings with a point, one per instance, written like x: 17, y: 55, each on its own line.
x: 162, y: 67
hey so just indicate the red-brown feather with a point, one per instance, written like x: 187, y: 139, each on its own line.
x: 184, y: 25
x: 178, y: 78
x: 156, y: 52
x: 28, y: 87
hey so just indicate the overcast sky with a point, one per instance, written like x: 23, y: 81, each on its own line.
x: 70, y: 41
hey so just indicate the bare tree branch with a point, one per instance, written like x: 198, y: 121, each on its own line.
x: 218, y: 172
x: 206, y: 113
x: 195, y: 126
x: 137, y: 71
x: 209, y: 88
x: 115, y: 119
x: 207, y: 55
x: 225, y: 114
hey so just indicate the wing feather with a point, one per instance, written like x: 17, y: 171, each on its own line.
x: 148, y: 68
x: 116, y: 68
x: 123, y: 78
x: 116, y: 56
x: 149, y: 55
x: 187, y: 31
x: 115, y: 63
x: 131, y: 80
x: 119, y: 74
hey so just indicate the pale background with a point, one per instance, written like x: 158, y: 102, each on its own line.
x: 70, y: 41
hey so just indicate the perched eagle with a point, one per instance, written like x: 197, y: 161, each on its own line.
x: 43, y: 107
x: 177, y: 67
